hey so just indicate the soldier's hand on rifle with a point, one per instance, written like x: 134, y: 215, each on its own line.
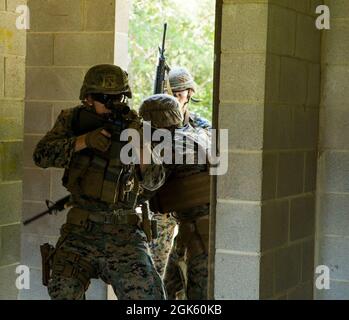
x: 98, y: 139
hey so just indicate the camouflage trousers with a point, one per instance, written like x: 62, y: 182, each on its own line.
x: 120, y: 257
x: 186, y: 271
x: 160, y: 248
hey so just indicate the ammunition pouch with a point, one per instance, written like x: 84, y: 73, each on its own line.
x: 47, y: 252
x: 184, y: 193
x: 72, y: 265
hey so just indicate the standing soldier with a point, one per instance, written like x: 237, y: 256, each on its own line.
x: 186, y: 194
x: 103, y: 236
x: 181, y: 85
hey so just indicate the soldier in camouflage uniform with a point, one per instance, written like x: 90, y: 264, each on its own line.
x: 183, y: 87
x: 187, y: 265
x: 103, y: 236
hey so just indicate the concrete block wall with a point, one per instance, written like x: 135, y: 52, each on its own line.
x: 66, y: 38
x: 290, y: 148
x: 269, y: 101
x: 333, y: 174
x: 12, y: 92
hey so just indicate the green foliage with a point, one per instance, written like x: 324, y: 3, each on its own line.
x: 190, y: 43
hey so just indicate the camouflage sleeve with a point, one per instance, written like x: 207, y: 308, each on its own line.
x: 199, y: 122
x: 56, y: 148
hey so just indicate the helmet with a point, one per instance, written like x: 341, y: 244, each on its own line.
x: 162, y: 110
x: 107, y: 79
x: 181, y: 79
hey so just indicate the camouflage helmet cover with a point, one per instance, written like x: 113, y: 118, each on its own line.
x: 181, y: 79
x: 107, y: 79
x: 162, y: 110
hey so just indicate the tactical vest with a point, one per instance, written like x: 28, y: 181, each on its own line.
x: 101, y: 179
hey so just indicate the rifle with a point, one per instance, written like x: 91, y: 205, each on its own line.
x: 162, y: 67
x: 53, y: 208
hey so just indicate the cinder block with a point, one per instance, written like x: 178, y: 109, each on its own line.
x: 36, y: 185
x: 302, y: 292
x: 61, y: 83
x: 2, y: 76
x: 278, y: 127
x: 11, y: 127
x: 335, y: 174
x: 272, y: 85
x: 83, y: 49
x: 274, y: 227
x: 336, y: 86
x: 238, y: 226
x: 30, y: 143
x: 2, y: 5
x: 243, y: 180
x: 236, y: 277
x: 38, y: 117
x: 290, y: 174
x: 8, y: 290
x: 13, y: 4
x: 245, y: 125
x: 310, y: 171
x: 13, y: 41
x: 332, y: 253
x: 122, y: 57
x: 11, y: 203
x: 10, y: 240
x: 39, y: 49
x: 314, y: 85
x: 333, y: 214
x: 308, y: 39
x: 63, y: 15
x: 37, y: 290
x: 302, y: 219
x: 281, y: 30
x: 266, y: 286
x: 306, y: 127
x: 15, y: 77
x: 46, y: 226
x: 252, y: 32
x: 336, y: 43
x: 105, y: 21
x: 293, y: 81
x: 122, y: 16
x: 339, y: 290
x: 269, y: 175
x: 338, y: 8
x: 335, y: 128
x: 58, y: 191
x: 308, y: 262
x: 287, y: 268
x: 30, y: 249
x: 242, y: 77
x: 299, y: 5
x: 11, y: 157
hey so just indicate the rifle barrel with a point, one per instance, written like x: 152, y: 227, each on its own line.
x: 38, y: 216
x: 164, y: 38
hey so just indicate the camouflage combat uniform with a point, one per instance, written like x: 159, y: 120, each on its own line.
x: 100, y: 239
x: 186, y: 271
x: 187, y: 264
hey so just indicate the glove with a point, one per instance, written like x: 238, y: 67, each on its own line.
x: 97, y: 140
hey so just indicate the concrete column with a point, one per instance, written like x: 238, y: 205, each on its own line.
x: 269, y: 100
x: 333, y: 174
x: 12, y: 91
x: 66, y: 38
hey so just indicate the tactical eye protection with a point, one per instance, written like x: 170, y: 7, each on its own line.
x: 109, y: 99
